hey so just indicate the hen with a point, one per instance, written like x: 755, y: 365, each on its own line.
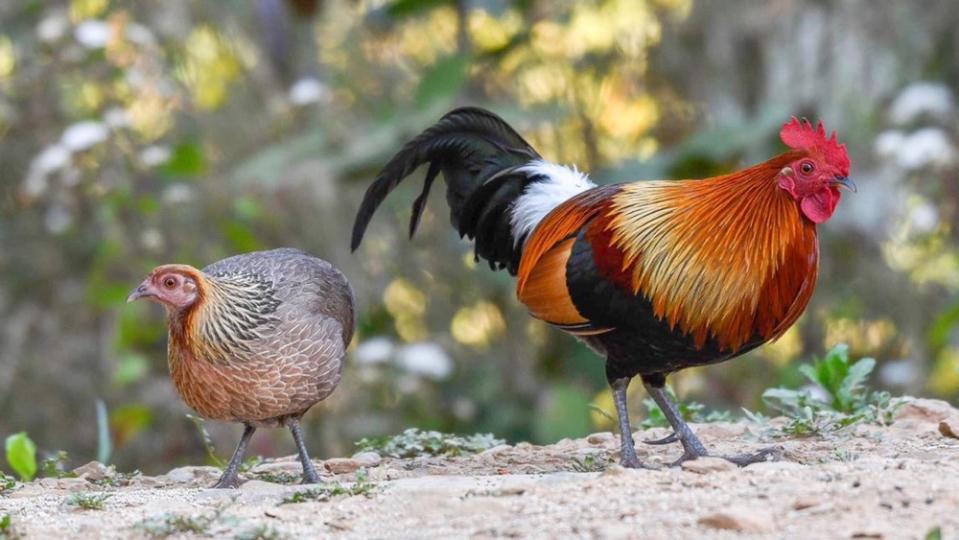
x: 257, y: 338
x: 656, y: 276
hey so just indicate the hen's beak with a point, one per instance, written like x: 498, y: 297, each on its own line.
x: 143, y: 290
x: 844, y: 181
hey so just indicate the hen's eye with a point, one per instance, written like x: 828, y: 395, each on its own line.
x: 806, y: 167
x: 169, y: 283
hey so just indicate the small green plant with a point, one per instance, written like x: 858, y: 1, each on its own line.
x: 279, y: 477
x: 414, y: 443
x: 7, y: 484
x: 325, y: 492
x: 88, y: 501
x: 589, y: 463
x: 934, y: 533
x: 848, y: 399
x: 7, y: 531
x: 169, y: 524
x: 22, y: 455
x: 261, y: 532
x: 117, y: 479
x: 691, y: 411
x: 207, y: 441
x: 54, y: 466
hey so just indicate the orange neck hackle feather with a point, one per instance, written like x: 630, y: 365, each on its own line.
x: 717, y: 257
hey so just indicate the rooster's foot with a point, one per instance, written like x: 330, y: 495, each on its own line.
x: 227, y: 481
x: 763, y: 455
x: 669, y: 439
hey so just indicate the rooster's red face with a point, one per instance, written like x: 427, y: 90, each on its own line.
x: 814, y: 179
x: 170, y: 285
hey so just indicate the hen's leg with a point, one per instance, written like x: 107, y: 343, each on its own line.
x: 231, y: 478
x: 310, y: 475
x: 692, y: 447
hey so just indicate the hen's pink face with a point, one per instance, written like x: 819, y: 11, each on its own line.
x: 814, y: 179
x: 167, y: 285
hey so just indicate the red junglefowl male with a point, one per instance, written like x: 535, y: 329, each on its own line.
x: 256, y: 338
x: 656, y: 276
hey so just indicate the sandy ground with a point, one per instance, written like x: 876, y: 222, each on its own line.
x: 899, y: 481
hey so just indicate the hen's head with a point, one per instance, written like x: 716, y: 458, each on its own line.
x: 175, y: 286
x: 814, y: 178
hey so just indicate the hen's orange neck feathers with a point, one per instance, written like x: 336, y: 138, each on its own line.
x: 226, y: 315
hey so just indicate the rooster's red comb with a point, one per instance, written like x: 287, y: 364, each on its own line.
x: 801, y: 136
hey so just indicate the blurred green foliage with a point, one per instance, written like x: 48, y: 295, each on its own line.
x: 140, y: 133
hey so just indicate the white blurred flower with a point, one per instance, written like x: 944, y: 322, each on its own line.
x: 898, y: 373
x: 924, y: 218
x: 924, y: 148
x: 52, y: 28
x: 58, y: 219
x: 178, y: 193
x: 92, y: 34
x: 374, y: 351
x: 888, y: 143
x: 116, y: 117
x: 139, y: 34
x: 426, y: 359
x: 84, y: 135
x: 50, y: 159
x: 152, y: 239
x: 922, y: 98
x: 154, y: 155
x: 308, y: 90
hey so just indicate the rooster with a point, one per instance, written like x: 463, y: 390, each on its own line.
x: 257, y: 338
x: 655, y: 276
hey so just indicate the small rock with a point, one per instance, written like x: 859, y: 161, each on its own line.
x: 92, y: 471
x: 706, y: 465
x: 367, y: 459
x: 341, y: 465
x: 72, y: 484
x: 720, y: 430
x: 741, y: 520
x: 803, y: 503
x: 930, y: 411
x: 495, y: 450
x: 48, y: 483
x: 278, y: 467
x: 185, y: 475
x: 950, y: 427
x: 253, y: 485
x: 601, y: 438
x: 614, y: 470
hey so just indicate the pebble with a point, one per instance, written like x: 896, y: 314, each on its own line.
x: 803, y: 503
x: 184, y: 475
x: 279, y: 467
x: 706, y: 465
x: 92, y: 471
x: 925, y: 410
x: 740, y: 520
x: 950, y: 427
x: 341, y: 465
x: 601, y: 438
x: 367, y: 459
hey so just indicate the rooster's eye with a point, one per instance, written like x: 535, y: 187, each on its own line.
x: 169, y: 283
x: 806, y: 167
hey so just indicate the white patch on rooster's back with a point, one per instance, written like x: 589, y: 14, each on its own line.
x: 542, y: 197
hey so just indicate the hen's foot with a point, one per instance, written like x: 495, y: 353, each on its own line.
x: 310, y: 476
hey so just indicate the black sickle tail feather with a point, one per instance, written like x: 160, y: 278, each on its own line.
x: 479, y: 155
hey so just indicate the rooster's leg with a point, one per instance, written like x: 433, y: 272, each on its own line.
x: 692, y: 447
x: 310, y: 475
x: 625, y: 431
x: 231, y: 478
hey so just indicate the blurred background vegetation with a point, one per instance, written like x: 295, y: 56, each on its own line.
x: 134, y: 133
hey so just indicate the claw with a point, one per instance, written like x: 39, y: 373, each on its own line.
x: 766, y: 454
x: 669, y: 439
x: 227, y: 482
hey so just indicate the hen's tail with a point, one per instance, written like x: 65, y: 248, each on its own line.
x: 497, y: 186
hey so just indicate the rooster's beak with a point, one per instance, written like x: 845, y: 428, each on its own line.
x: 144, y: 290
x: 844, y: 181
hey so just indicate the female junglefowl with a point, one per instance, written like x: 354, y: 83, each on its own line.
x: 656, y: 276
x: 256, y: 338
